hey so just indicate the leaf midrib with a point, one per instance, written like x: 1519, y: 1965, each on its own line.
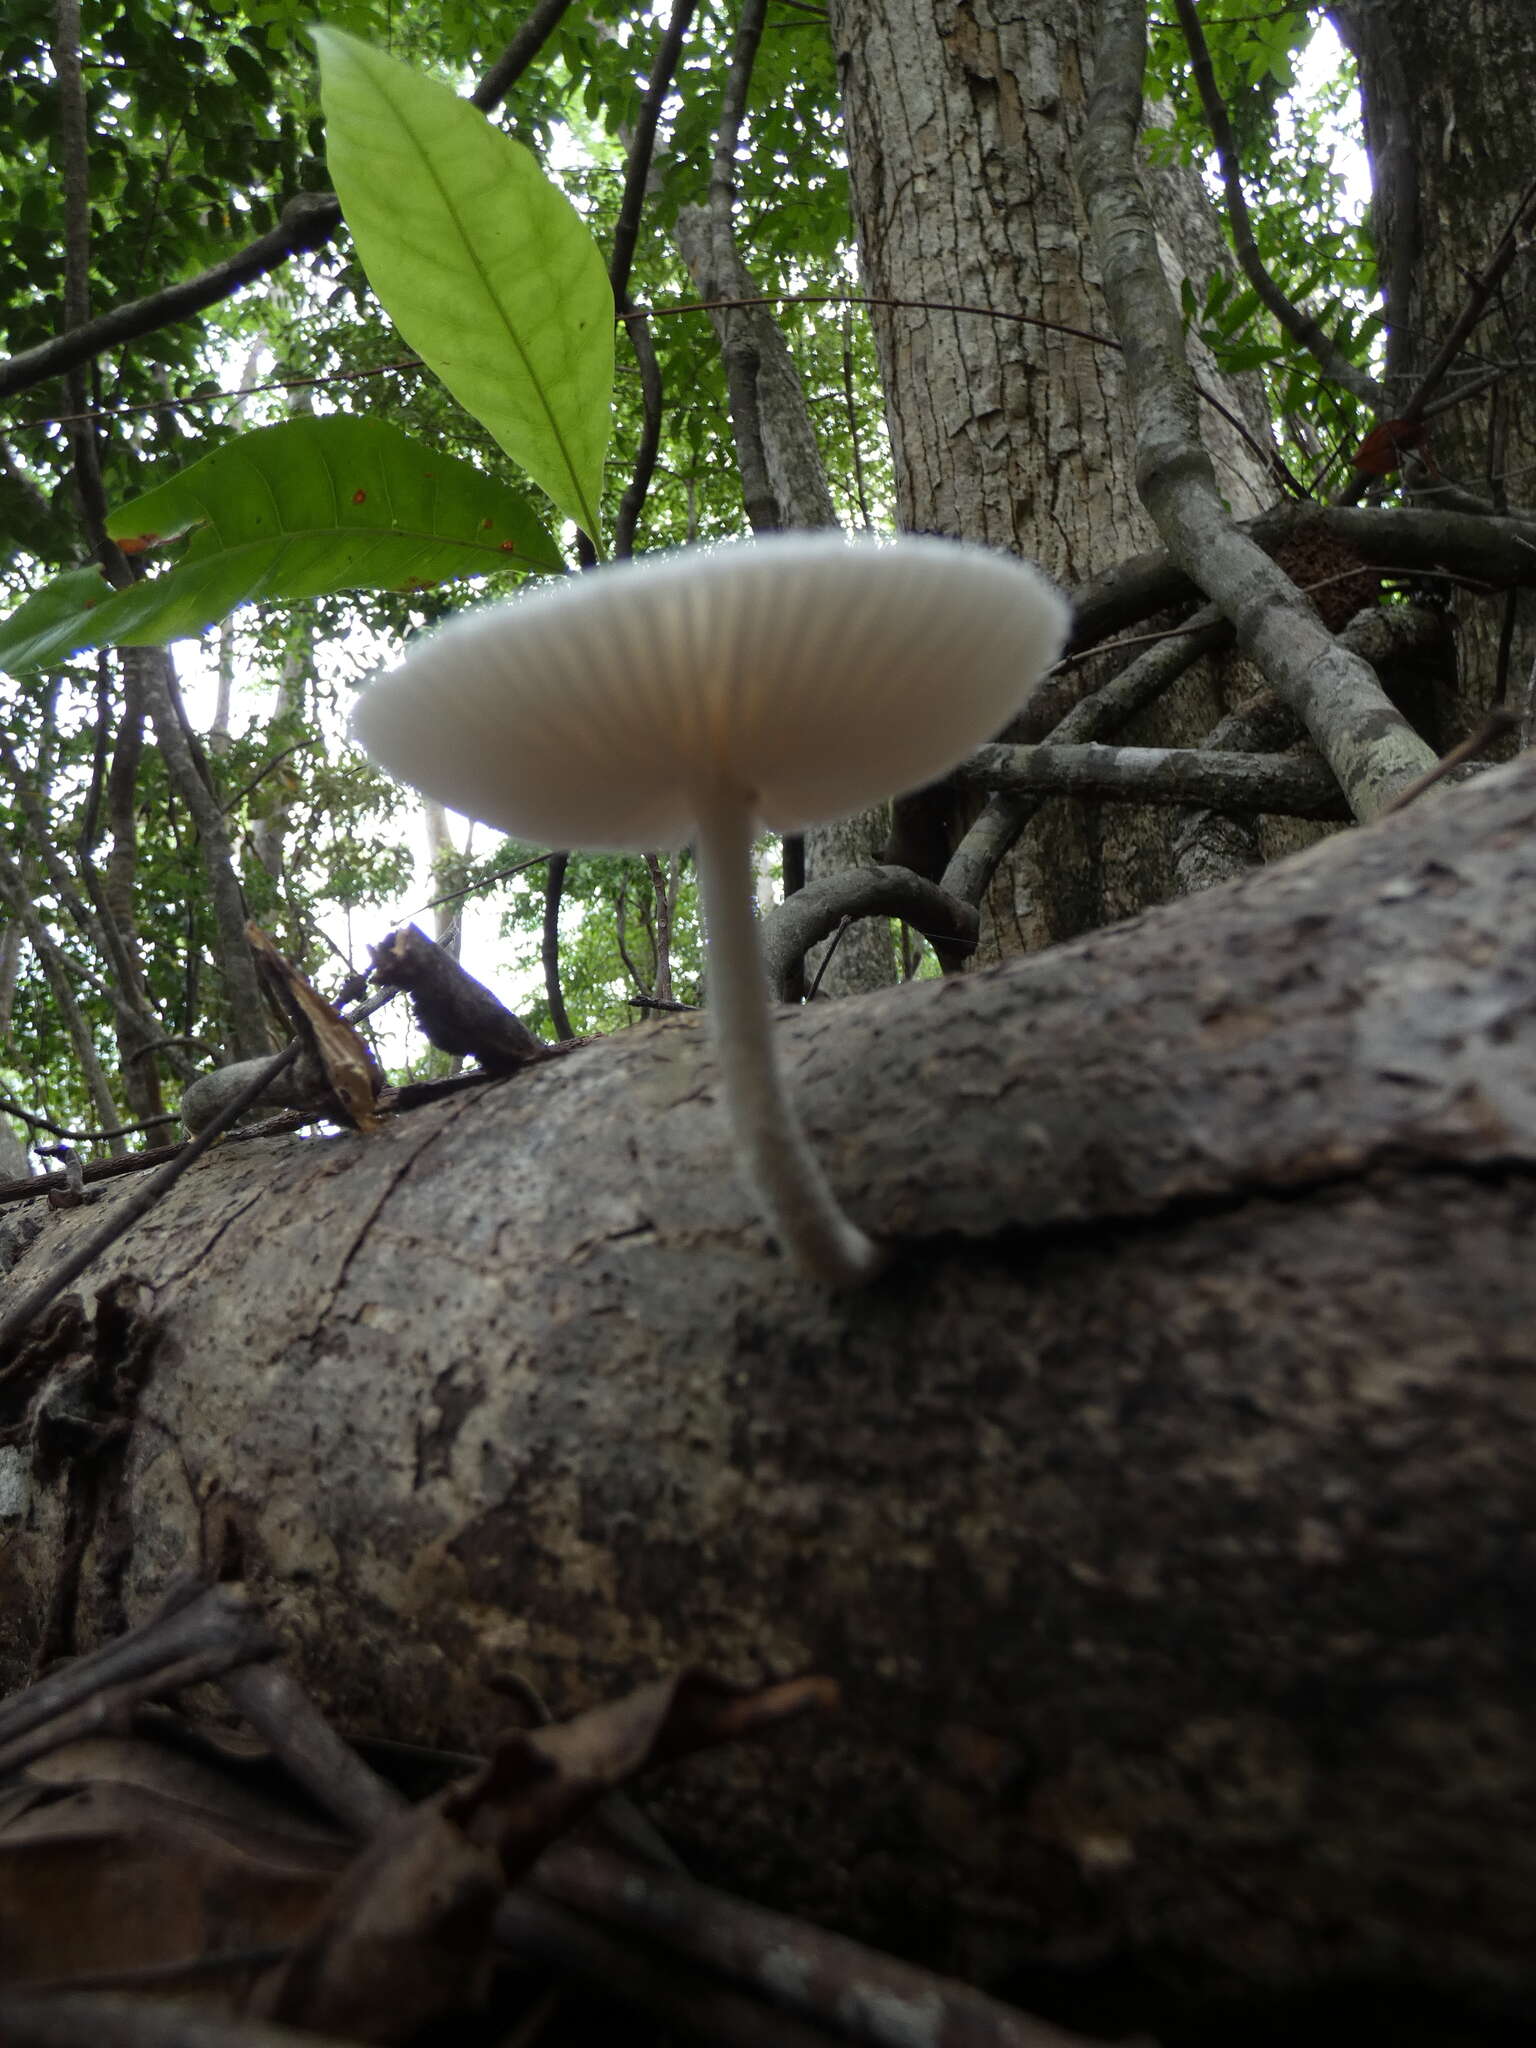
x: 467, y: 245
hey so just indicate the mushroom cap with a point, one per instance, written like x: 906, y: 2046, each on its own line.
x: 808, y: 675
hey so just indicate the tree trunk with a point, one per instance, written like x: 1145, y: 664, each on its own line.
x: 962, y: 126
x: 1163, y: 1513
x: 1446, y: 91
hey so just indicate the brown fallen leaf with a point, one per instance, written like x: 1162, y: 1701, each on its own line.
x: 120, y: 1854
x: 342, y: 1056
x: 409, y: 1935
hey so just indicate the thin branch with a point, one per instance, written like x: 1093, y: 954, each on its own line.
x: 637, y: 173
x: 56, y: 966
x: 1371, y: 748
x: 247, y: 1029
x: 996, y: 831
x: 843, y: 924
x: 733, y: 105
x: 642, y: 144
x: 554, y: 891
x: 852, y: 412
x: 321, y: 380
x: 1498, y: 722
x: 1298, y: 323
x: 706, y: 238
x: 485, y: 882
x: 868, y: 299
x: 1395, y: 172
x: 652, y: 400
x: 35, y: 1122
x: 102, y: 2019
x: 308, y: 222
x: 74, y: 145
x: 1479, y: 293
x: 268, y: 768
x: 1281, y: 785
x: 869, y: 1997
x: 101, y: 929
x: 518, y: 55
x: 813, y: 913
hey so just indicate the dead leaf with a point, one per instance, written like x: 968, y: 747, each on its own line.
x: 349, y: 1067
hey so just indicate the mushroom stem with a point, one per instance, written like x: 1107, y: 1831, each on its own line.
x: 779, y: 1163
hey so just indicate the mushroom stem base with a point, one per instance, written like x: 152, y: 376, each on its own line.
x: 778, y: 1161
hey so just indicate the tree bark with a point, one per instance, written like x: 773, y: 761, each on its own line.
x: 962, y: 126
x: 1163, y: 1513
x: 1445, y: 90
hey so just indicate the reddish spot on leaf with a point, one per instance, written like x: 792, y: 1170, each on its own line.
x: 359, y: 497
x: 507, y: 547
x: 136, y: 543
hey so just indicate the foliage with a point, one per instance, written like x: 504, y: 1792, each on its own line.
x: 285, y: 435
x: 1305, y: 225
x: 482, y: 263
x: 291, y: 511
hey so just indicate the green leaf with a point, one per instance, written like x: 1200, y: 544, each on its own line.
x: 1253, y: 355
x: 298, y: 510
x: 29, y: 637
x: 486, y: 269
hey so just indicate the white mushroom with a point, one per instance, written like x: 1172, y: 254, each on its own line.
x: 708, y: 694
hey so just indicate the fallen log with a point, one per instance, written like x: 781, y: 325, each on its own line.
x: 1164, y: 1515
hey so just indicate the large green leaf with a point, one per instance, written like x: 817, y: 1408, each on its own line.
x: 298, y: 510
x: 487, y: 270
x: 61, y: 611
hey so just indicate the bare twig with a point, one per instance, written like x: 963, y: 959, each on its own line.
x: 93, y: 2019
x: 1494, y: 726
x: 637, y: 171
x: 1371, y: 748
x: 518, y: 55
x: 36, y: 1122
x: 813, y: 913
x: 304, y: 1742
x: 1294, y: 319
x: 308, y: 222
x: 826, y: 959
x: 110, y: 1707
x: 193, y: 1621
x: 863, y: 1995
x: 1283, y: 785
x: 642, y: 144
x: 693, y: 2001
x: 554, y: 891
x: 996, y: 831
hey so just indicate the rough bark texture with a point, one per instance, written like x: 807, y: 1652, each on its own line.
x: 1164, y: 1513
x: 1446, y: 91
x: 962, y: 124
